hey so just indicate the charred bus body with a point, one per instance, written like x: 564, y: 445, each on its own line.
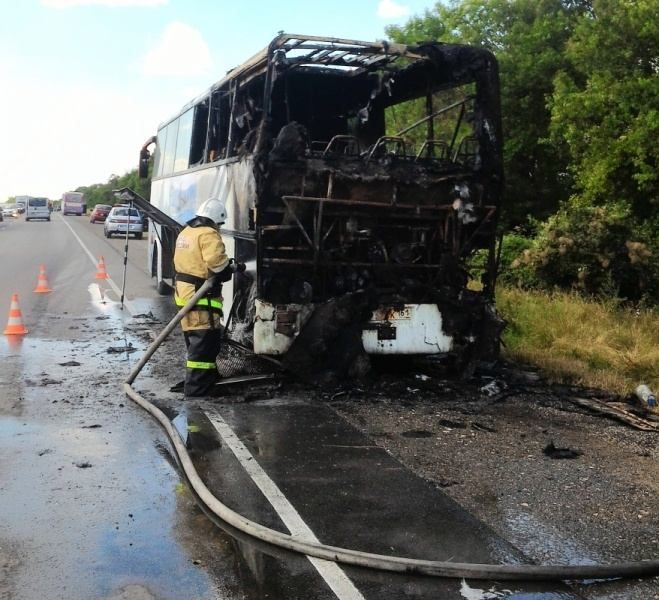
x: 360, y: 180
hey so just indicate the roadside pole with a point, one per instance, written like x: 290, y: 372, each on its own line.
x: 123, y: 284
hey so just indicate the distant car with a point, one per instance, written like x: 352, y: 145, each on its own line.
x: 99, y: 213
x: 119, y: 218
x: 1, y: 217
x: 9, y: 211
x: 37, y: 208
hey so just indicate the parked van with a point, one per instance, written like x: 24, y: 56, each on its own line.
x: 37, y: 208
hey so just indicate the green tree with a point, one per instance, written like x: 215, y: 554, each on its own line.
x: 102, y: 193
x: 605, y: 106
x: 529, y: 39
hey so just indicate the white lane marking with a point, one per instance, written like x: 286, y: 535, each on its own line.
x: 113, y: 285
x: 333, y: 575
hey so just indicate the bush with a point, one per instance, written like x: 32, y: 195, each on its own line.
x: 599, y: 251
x: 512, y: 269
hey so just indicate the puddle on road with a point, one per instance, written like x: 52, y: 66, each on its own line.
x: 536, y: 539
x: 134, y: 542
x: 100, y: 297
x: 11, y: 426
x: 88, y: 532
x: 11, y: 345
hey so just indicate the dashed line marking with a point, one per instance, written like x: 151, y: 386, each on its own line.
x: 94, y: 260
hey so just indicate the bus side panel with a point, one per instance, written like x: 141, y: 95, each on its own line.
x: 180, y: 196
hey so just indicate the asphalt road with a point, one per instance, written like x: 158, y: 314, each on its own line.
x: 91, y: 502
x: 69, y: 247
x: 88, y: 506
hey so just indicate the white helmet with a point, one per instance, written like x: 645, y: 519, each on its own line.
x: 213, y: 209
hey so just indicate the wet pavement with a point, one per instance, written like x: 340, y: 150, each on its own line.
x: 92, y: 504
x: 349, y: 492
x: 88, y: 506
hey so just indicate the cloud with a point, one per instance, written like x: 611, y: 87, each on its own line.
x: 111, y: 3
x: 181, y: 50
x: 80, y: 136
x: 389, y: 9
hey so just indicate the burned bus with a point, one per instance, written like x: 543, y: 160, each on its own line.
x: 361, y: 180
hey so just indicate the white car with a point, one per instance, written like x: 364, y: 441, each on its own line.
x: 121, y: 218
x: 37, y: 208
x: 9, y: 211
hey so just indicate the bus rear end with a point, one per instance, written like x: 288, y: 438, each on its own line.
x: 383, y: 184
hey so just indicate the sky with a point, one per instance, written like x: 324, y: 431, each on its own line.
x: 84, y: 83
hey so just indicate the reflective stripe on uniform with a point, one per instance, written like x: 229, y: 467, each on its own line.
x: 217, y: 304
x: 197, y: 364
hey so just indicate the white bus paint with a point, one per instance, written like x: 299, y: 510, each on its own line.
x: 334, y: 576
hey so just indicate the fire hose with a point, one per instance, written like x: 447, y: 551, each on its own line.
x: 399, y: 564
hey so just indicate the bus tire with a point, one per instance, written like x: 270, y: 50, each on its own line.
x: 138, y: 236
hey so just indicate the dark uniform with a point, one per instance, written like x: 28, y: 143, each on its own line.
x: 199, y: 254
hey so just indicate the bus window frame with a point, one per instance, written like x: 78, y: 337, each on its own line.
x: 169, y: 152
x: 183, y: 141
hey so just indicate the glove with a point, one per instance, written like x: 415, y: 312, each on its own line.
x: 236, y: 267
x: 225, y: 274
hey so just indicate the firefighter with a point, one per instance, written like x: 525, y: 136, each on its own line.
x: 200, y: 254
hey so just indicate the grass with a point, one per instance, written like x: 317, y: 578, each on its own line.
x: 574, y: 340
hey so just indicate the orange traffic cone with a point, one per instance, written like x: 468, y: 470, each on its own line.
x: 100, y: 270
x: 15, y: 324
x: 42, y: 282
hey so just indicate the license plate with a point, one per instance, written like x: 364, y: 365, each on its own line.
x: 401, y: 314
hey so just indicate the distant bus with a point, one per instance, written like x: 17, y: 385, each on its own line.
x: 73, y: 203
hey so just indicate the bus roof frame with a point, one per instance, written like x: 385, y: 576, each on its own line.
x: 352, y: 56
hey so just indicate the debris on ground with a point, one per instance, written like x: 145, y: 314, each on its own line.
x: 263, y: 394
x: 83, y: 465
x: 493, y: 388
x: 71, y: 363
x: 560, y: 453
x: 417, y: 433
x: 120, y: 349
x: 618, y: 411
x: 480, y: 427
x: 150, y: 316
x: 646, y: 397
x: 452, y: 424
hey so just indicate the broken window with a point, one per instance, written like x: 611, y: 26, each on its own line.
x: 435, y: 126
